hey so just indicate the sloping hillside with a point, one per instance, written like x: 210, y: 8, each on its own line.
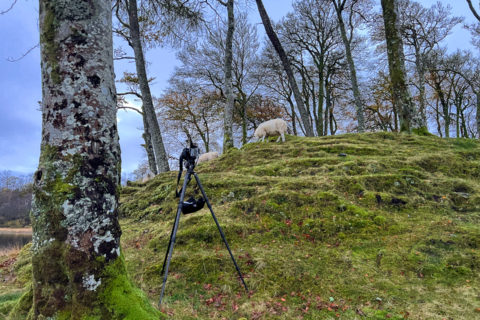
x: 391, y: 230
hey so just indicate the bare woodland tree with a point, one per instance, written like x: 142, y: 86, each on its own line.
x: 457, y: 70
x: 287, y: 66
x: 148, y: 110
x: 312, y: 31
x: 476, y: 32
x: 422, y: 30
x: 276, y: 84
x: 396, y: 63
x: 349, y: 6
x: 230, y: 105
x: 77, y: 263
x: 202, y: 64
x: 195, y: 112
x: 131, y: 80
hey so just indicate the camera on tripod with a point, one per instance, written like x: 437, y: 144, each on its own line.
x: 189, y: 156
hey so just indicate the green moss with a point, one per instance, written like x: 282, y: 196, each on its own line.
x: 467, y: 144
x: 392, y: 220
x: 422, y: 131
x: 50, y: 45
x: 122, y: 299
x: 23, y: 265
x: 22, y: 309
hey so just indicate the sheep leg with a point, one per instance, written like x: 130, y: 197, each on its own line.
x: 263, y: 138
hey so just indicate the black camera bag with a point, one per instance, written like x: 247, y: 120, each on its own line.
x: 192, y: 205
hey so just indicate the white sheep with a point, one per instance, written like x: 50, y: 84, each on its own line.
x: 147, y: 177
x: 204, y: 157
x: 271, y: 128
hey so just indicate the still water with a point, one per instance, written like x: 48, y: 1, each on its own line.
x: 11, y: 239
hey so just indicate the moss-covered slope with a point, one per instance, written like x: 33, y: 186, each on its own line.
x: 387, y: 230
x: 377, y: 225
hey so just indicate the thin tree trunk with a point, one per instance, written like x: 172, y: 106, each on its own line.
x: 333, y: 123
x: 287, y: 67
x: 463, y: 125
x: 228, y: 113
x: 149, y: 147
x: 437, y: 119
x: 294, y: 120
x: 244, y: 123
x: 321, y: 91
x: 353, y: 73
x: 77, y: 265
x: 421, y: 87
x: 445, y: 109
x: 148, y: 109
x: 457, y: 122
x: 396, y: 64
x: 328, y: 105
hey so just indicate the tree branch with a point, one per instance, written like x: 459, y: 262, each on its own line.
x: 124, y: 58
x: 133, y: 93
x: 130, y: 108
x: 23, y: 55
x: 11, y: 7
x: 475, y: 13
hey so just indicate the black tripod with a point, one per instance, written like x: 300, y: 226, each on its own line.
x: 168, y: 255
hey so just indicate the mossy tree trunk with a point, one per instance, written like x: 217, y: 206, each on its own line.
x: 304, y: 115
x: 228, y: 113
x: 78, y: 269
x: 161, y: 158
x: 396, y: 64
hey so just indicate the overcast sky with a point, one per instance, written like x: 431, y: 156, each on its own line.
x: 20, y: 83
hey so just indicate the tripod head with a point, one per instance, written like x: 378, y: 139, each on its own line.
x: 189, y: 157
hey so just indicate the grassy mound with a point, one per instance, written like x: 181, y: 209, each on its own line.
x: 373, y: 226
x: 378, y: 225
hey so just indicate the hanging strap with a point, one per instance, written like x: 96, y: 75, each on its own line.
x: 183, y: 156
x: 177, y: 193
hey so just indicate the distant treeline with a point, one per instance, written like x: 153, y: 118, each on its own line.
x: 15, y: 199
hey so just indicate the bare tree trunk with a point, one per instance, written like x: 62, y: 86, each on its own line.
x: 445, y: 107
x: 244, y: 122
x: 148, y: 109
x: 333, y: 123
x: 328, y: 105
x: 420, y: 65
x: 293, y: 117
x: 457, y: 122
x: 149, y: 147
x: 396, y: 63
x: 351, y: 66
x: 228, y: 113
x: 78, y: 268
x: 321, y: 93
x: 287, y: 67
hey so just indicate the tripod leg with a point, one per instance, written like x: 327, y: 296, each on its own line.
x: 219, y: 229
x: 168, y: 256
x: 169, y: 241
x: 171, y: 234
